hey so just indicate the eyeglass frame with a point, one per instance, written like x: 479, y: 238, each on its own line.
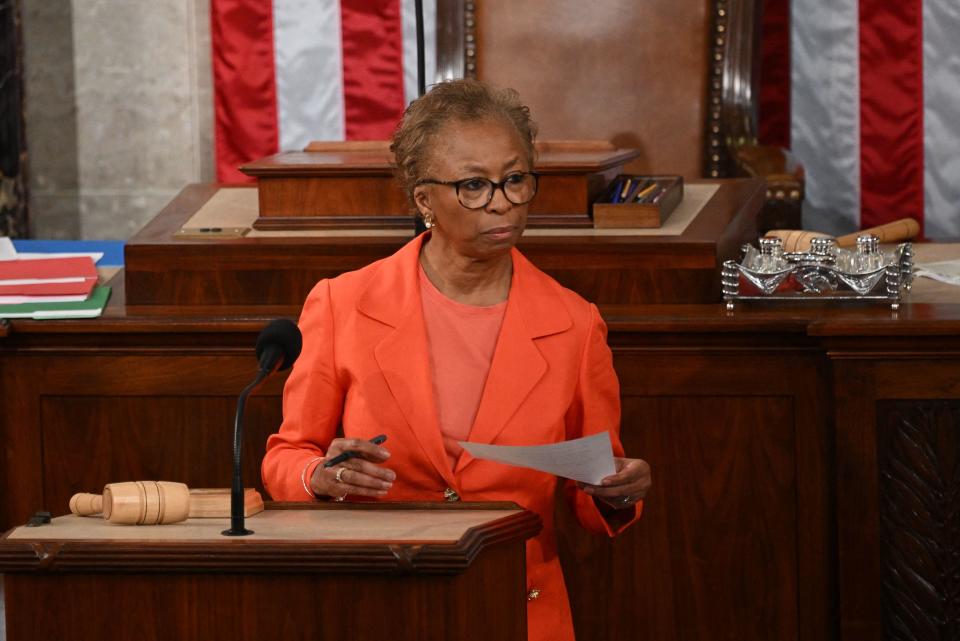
x: 494, y: 186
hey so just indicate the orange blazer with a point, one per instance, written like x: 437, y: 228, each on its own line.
x: 365, y: 365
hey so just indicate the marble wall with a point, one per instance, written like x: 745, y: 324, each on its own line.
x: 119, y: 111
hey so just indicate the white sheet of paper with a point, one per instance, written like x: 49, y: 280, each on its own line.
x: 947, y: 271
x: 588, y: 459
x: 19, y: 300
x: 7, y: 251
x: 94, y: 256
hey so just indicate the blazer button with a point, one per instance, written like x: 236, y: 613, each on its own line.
x: 533, y: 594
x: 450, y: 495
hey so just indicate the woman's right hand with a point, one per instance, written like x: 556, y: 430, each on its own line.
x: 362, y: 475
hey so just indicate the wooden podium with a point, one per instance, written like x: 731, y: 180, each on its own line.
x: 311, y: 571
x: 351, y: 185
x: 165, y: 266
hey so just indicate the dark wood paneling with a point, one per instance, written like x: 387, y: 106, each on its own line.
x: 94, y: 440
x: 86, y: 417
x: 705, y: 391
x: 305, y: 196
x: 896, y: 400
x: 715, y: 555
x: 857, y: 509
x: 486, y: 601
x: 918, y: 450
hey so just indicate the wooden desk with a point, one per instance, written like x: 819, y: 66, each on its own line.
x: 409, y: 572
x: 771, y: 433
x: 162, y: 269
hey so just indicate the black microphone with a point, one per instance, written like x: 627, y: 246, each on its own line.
x: 280, y: 339
x: 278, y: 346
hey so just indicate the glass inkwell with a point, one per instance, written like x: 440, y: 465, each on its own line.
x: 824, y: 272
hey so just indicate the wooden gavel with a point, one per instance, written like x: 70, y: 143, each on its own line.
x: 160, y: 502
x: 795, y: 240
x: 136, y: 503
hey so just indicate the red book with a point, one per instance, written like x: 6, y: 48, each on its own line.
x: 47, y: 270
x: 81, y: 287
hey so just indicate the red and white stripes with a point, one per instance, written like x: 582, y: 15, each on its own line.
x: 290, y: 71
x: 941, y: 137
x: 875, y: 95
x: 871, y: 107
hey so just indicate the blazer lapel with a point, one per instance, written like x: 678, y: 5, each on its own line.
x: 533, y: 310
x: 393, y: 298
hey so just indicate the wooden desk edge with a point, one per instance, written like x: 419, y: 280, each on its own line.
x: 253, y: 556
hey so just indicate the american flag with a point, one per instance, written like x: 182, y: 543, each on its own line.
x: 288, y: 72
x: 867, y: 94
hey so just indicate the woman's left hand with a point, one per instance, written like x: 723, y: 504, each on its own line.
x: 630, y: 484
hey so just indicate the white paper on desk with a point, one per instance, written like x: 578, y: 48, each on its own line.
x: 588, y: 459
x: 947, y: 271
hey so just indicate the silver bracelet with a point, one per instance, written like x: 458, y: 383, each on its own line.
x: 303, y: 475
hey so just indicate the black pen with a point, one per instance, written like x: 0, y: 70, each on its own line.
x: 346, y: 456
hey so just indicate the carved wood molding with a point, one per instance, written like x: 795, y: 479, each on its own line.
x: 715, y: 152
x: 732, y: 85
x: 456, y: 39
x: 919, y: 467
x: 252, y: 556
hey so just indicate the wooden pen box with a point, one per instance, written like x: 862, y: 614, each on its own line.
x: 648, y: 202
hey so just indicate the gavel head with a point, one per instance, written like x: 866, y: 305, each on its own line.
x: 146, y: 502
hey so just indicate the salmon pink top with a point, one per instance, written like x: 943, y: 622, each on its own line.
x: 461, y: 340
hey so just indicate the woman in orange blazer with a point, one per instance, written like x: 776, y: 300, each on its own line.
x: 465, y: 153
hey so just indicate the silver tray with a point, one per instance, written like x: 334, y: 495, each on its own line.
x: 808, y: 277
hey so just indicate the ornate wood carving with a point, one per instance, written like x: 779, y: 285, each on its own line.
x: 918, y: 450
x: 456, y: 39
x: 715, y: 153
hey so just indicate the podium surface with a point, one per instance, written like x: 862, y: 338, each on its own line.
x: 310, y: 571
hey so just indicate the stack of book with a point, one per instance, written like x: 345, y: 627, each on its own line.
x: 43, y: 287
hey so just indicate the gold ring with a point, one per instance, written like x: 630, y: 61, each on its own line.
x: 339, y: 477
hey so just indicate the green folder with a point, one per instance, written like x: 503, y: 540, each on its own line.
x: 90, y: 308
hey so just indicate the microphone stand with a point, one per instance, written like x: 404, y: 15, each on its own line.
x: 421, y: 63
x: 236, y: 493
x: 418, y: 226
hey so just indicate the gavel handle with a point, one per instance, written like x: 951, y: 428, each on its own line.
x: 903, y: 229
x: 86, y: 504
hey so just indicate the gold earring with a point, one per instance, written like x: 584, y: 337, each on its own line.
x: 428, y: 221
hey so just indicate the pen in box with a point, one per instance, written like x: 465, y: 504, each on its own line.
x: 638, y: 185
x: 641, y: 196
x: 615, y: 191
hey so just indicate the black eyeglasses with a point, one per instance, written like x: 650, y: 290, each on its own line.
x: 476, y: 192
